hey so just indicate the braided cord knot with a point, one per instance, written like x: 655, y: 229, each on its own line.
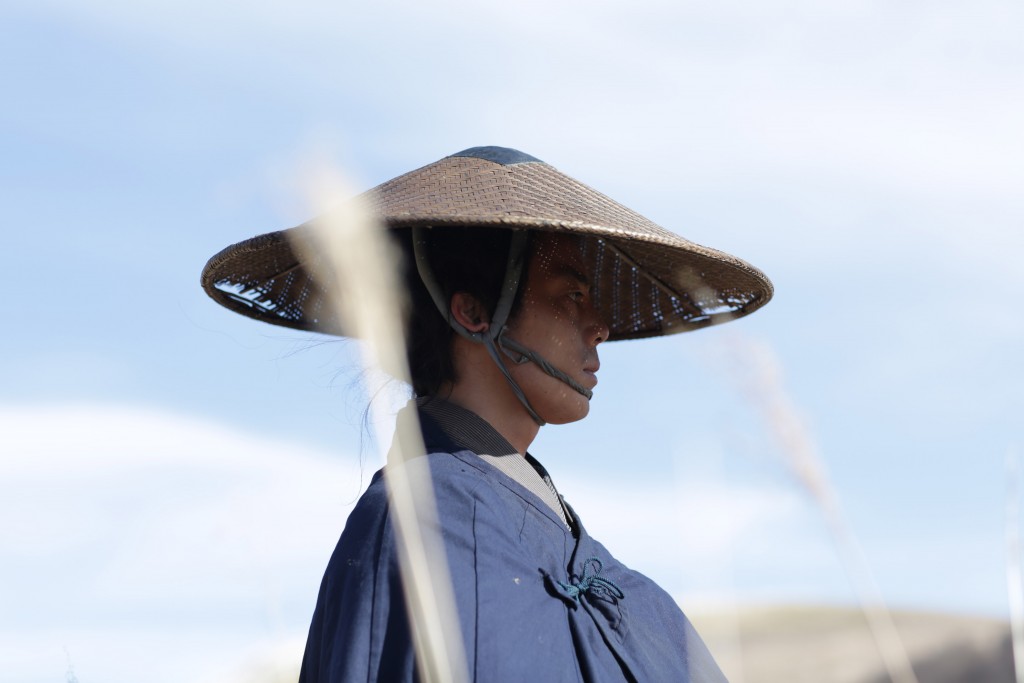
x: 590, y: 579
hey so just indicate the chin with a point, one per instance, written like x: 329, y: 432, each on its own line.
x: 564, y: 414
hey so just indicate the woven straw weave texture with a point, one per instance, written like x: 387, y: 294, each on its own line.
x: 647, y: 281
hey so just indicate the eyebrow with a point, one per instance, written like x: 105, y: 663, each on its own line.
x: 565, y: 270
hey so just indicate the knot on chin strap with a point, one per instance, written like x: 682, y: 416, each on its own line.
x: 519, y: 354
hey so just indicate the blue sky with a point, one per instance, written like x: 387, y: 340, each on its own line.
x: 174, y: 477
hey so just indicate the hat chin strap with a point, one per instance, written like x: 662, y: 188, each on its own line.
x: 520, y: 354
x: 495, y: 337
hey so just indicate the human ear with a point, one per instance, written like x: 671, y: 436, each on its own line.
x: 469, y: 312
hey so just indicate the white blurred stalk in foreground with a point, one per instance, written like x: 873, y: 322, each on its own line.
x: 368, y: 299
x: 1014, y: 579
x: 759, y: 372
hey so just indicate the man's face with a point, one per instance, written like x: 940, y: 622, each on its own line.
x: 558, y: 320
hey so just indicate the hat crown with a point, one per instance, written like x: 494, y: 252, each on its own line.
x: 505, y: 156
x: 501, y: 186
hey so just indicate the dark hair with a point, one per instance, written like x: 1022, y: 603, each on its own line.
x: 464, y: 259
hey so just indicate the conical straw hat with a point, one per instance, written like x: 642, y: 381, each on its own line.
x: 646, y: 280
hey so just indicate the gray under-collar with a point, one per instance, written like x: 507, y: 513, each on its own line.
x: 472, y: 432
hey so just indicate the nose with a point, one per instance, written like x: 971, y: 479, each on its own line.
x: 598, y: 328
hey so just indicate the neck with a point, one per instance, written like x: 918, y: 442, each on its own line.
x: 482, y: 389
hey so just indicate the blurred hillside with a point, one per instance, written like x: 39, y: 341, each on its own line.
x: 834, y: 645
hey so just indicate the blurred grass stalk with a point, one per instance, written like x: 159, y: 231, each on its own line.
x: 759, y: 373
x: 1014, y: 580
x: 368, y: 298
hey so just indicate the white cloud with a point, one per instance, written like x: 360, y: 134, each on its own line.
x: 77, y: 468
x: 693, y: 523
x: 152, y: 527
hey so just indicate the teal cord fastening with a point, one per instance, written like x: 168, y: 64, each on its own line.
x: 591, y: 579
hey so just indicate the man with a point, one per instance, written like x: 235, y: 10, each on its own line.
x: 516, y: 273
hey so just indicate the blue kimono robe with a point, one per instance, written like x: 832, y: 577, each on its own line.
x: 536, y: 604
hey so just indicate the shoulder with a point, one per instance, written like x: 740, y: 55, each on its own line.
x: 470, y: 495
x: 459, y: 482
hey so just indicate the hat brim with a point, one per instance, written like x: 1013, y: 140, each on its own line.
x: 646, y: 280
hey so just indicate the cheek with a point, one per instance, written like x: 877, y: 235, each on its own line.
x: 538, y: 322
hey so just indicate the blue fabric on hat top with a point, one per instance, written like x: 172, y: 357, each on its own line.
x: 527, y: 594
x: 499, y: 155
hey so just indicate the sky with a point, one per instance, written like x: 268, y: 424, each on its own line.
x: 173, y: 477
